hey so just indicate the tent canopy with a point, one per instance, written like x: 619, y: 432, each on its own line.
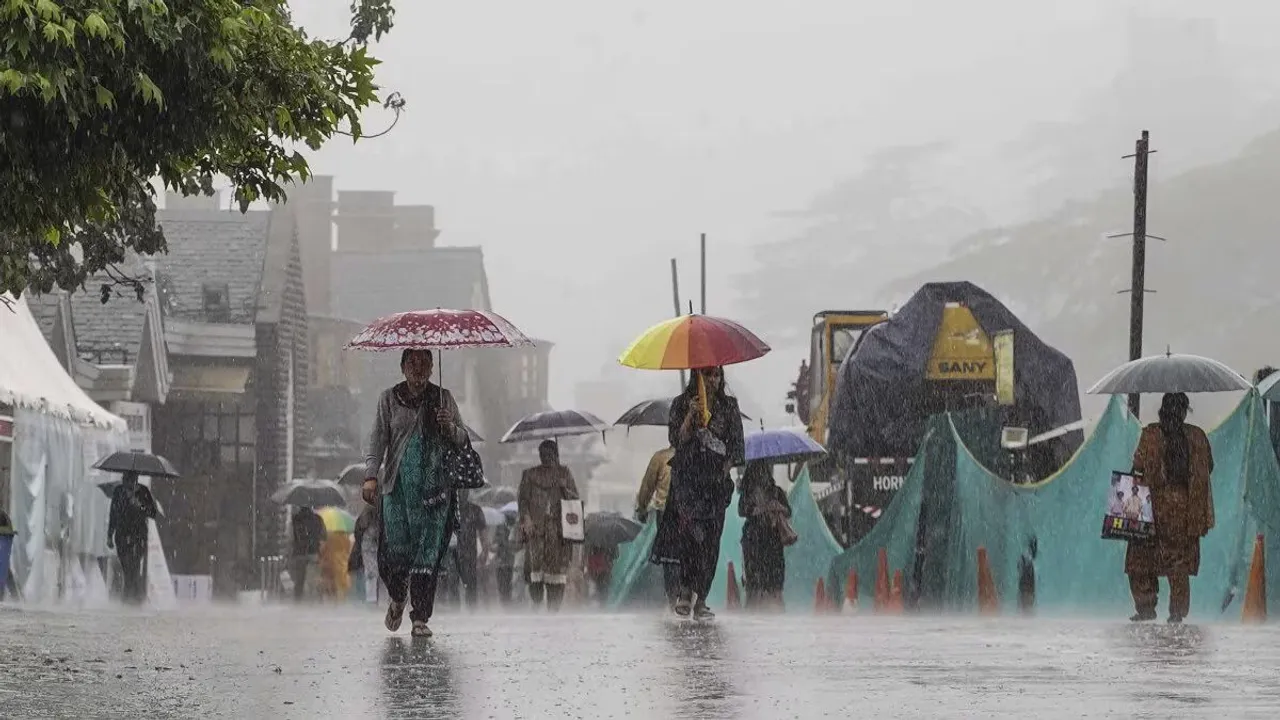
x: 32, y: 377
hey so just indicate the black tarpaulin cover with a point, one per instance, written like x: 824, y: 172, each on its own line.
x: 881, y: 403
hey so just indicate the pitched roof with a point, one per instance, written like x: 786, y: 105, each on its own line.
x: 366, y: 286
x: 44, y: 308
x: 212, y: 247
x: 110, y: 332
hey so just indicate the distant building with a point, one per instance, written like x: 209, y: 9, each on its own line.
x: 210, y: 371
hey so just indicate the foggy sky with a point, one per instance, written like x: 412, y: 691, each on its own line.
x: 583, y: 144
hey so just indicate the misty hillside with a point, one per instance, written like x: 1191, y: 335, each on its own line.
x: 1214, y: 278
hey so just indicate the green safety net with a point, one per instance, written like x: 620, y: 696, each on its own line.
x: 810, y: 557
x: 950, y: 505
x: 638, y: 582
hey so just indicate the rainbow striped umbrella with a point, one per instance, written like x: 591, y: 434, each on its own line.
x: 693, y: 342
x: 337, y: 519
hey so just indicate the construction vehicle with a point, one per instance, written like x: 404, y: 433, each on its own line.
x: 964, y: 366
x: 834, y: 335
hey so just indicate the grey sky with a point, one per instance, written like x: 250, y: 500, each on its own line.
x: 584, y: 143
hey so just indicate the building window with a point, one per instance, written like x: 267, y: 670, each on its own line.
x: 217, y: 302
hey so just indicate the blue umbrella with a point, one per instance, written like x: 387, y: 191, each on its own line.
x: 782, y: 446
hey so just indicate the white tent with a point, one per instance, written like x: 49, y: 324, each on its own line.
x: 31, y: 376
x: 59, y: 432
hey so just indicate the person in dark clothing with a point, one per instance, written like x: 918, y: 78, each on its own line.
x: 764, y: 536
x: 708, y: 441
x: 470, y: 536
x: 308, y: 535
x: 504, y: 559
x: 131, y: 507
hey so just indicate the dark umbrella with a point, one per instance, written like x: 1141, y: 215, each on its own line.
x: 352, y: 474
x: 137, y: 462
x: 554, y: 424
x: 310, y: 493
x: 109, y: 489
x: 609, y: 529
x: 652, y: 413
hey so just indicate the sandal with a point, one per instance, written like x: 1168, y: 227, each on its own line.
x: 395, y: 613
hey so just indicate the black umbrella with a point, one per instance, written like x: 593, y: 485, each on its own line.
x: 109, y: 489
x: 554, y: 424
x: 652, y: 413
x: 133, y: 461
x: 609, y: 529
x: 311, y: 493
x: 352, y: 474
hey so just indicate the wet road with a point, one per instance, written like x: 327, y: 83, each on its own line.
x: 251, y: 662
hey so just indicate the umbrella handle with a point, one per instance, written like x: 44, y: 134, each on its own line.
x: 703, y: 411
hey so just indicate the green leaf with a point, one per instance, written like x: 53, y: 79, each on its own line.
x: 12, y: 80
x: 150, y: 93
x: 95, y: 26
x: 104, y: 97
x: 52, y: 236
x: 48, y: 10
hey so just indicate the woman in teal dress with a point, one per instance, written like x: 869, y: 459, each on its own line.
x: 415, y: 420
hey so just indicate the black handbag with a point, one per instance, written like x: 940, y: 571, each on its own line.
x: 462, y: 467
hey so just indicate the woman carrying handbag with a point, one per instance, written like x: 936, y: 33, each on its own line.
x: 547, y: 552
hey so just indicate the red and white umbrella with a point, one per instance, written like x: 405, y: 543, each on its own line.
x: 439, y: 329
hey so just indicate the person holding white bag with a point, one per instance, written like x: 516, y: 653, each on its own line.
x: 540, y: 525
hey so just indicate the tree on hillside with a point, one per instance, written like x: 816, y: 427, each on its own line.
x: 98, y: 97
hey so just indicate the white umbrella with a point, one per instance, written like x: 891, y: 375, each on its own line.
x: 493, y: 516
x: 510, y: 508
x: 1170, y: 373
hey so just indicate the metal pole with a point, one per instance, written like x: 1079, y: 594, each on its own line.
x: 1137, y: 288
x: 704, y: 272
x: 675, y: 299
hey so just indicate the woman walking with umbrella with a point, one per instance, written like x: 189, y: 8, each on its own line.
x: 1175, y: 460
x: 547, y: 553
x: 765, y: 534
x: 708, y: 441
x: 705, y: 429
x: 419, y: 451
x: 403, y: 472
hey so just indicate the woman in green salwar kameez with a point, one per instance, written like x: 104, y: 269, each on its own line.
x: 403, y: 472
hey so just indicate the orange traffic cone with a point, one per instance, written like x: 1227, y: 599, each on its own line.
x: 882, y: 582
x: 820, y: 596
x: 732, y: 598
x: 1255, y: 594
x: 851, y: 591
x: 988, y: 601
x: 895, y: 593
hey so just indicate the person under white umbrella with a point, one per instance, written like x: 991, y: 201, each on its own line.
x: 1175, y: 460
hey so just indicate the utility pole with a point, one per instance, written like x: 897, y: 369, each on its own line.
x: 704, y: 273
x: 675, y: 298
x: 1138, y: 285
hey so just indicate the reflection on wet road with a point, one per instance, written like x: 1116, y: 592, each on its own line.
x: 255, y: 662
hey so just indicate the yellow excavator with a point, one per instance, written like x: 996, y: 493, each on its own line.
x: 834, y: 334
